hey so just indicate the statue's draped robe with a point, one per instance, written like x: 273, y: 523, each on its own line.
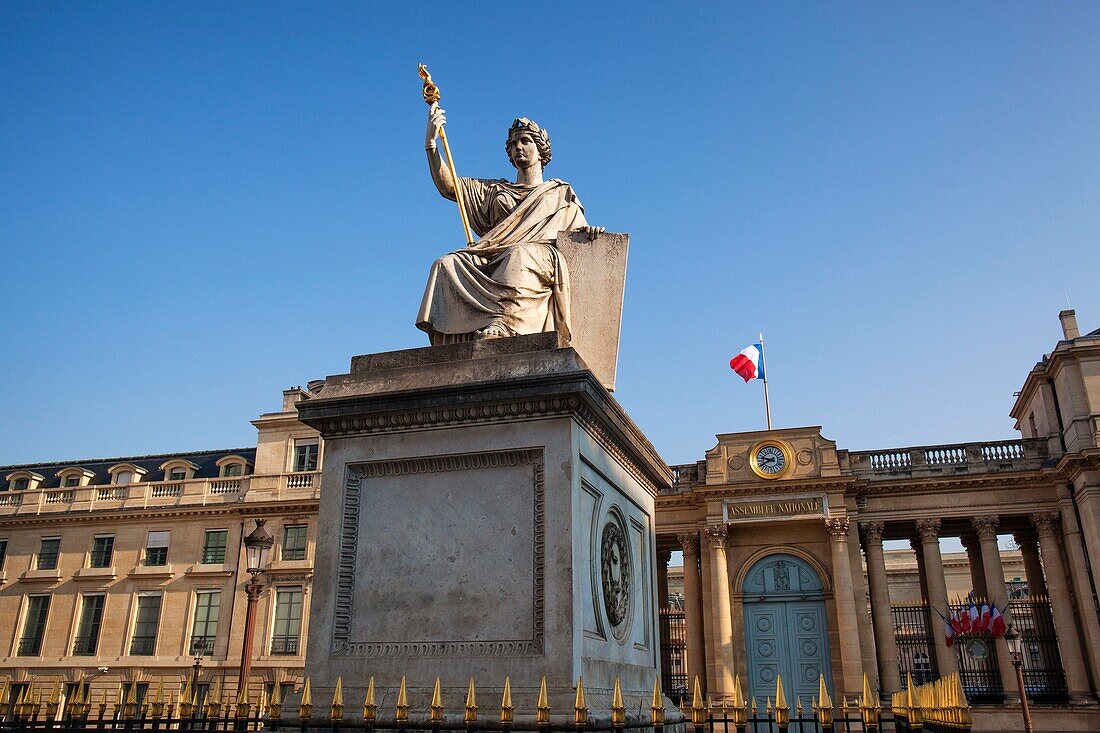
x: 512, y: 274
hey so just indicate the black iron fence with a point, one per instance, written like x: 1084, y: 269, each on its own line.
x: 763, y: 721
x: 673, y: 658
x: 917, y: 633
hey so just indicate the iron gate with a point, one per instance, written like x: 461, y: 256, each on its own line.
x: 673, y: 662
x: 1044, y: 679
x: 912, y: 630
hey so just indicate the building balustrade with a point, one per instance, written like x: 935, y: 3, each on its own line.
x: 284, y: 645
x: 142, y: 645
x: 29, y: 646
x: 993, y: 456
x: 263, y: 487
x: 85, y: 646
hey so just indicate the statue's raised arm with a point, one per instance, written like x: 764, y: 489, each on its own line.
x: 512, y: 280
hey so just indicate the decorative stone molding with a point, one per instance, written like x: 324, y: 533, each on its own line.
x: 663, y: 558
x: 1027, y: 538
x: 969, y: 541
x: 343, y: 611
x: 689, y: 543
x: 837, y: 527
x: 929, y: 530
x: 1046, y: 523
x: 985, y: 527
x: 872, y: 532
x: 717, y: 534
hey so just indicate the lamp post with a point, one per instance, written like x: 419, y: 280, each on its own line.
x: 1016, y: 647
x: 256, y: 544
x: 199, y: 651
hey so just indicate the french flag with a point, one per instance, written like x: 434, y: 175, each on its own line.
x: 749, y: 364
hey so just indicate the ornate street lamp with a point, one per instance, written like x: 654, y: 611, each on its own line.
x: 256, y: 544
x: 1016, y: 648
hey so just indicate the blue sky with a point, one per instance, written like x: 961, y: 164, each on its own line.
x: 202, y: 204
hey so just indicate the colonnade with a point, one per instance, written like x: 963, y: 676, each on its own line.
x: 710, y: 657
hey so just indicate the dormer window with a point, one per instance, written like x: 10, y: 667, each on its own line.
x: 232, y: 466
x: 179, y: 469
x: 74, y: 476
x: 126, y: 473
x: 23, y: 480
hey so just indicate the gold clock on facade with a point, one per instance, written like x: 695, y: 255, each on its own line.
x: 771, y: 459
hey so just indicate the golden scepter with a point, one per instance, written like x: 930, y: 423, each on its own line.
x: 431, y: 96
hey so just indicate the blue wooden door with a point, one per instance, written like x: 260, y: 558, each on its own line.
x: 785, y: 629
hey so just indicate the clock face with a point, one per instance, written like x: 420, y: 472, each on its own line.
x: 770, y: 460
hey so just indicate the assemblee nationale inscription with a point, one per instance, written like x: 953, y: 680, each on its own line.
x: 781, y: 508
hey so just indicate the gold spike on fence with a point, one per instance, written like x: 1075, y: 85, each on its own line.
x: 305, y: 706
x: 370, y: 706
x: 275, y: 702
x: 782, y: 709
x: 941, y: 702
x: 469, y: 716
x: 657, y: 706
x: 580, y: 707
x: 402, y: 715
x: 618, y: 710
x: 542, y: 708
x: 435, y: 710
x: 698, y: 709
x: 823, y: 707
x: 507, y: 712
x: 338, y: 700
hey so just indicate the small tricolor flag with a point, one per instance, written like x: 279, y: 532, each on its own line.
x: 749, y: 364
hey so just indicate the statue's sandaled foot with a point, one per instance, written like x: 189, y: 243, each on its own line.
x: 495, y: 330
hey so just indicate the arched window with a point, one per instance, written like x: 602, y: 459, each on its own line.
x: 124, y: 477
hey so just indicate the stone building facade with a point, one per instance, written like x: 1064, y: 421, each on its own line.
x: 800, y: 558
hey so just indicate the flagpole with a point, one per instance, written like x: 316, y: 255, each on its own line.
x: 764, y: 366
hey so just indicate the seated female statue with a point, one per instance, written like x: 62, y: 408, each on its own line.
x: 511, y: 280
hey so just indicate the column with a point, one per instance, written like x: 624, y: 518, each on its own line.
x: 847, y: 619
x: 693, y: 610
x: 720, y: 612
x: 1033, y: 566
x: 922, y: 577
x: 663, y: 556
x: 1061, y: 607
x: 882, y: 615
x: 986, y: 529
x: 929, y: 530
x: 977, y: 567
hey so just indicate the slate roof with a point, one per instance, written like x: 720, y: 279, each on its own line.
x: 205, y: 460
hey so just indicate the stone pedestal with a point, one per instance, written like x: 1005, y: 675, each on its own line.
x: 486, y: 512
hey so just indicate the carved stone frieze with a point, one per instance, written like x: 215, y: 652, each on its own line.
x: 615, y: 573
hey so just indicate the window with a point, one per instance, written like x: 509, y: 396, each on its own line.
x: 34, y: 626
x: 177, y: 474
x: 103, y: 550
x: 144, y: 641
x: 288, y: 621
x: 232, y: 469
x: 202, y: 690
x: 205, y: 627
x: 3, y: 552
x: 213, y: 547
x: 124, y: 477
x: 75, y: 692
x: 47, y: 553
x: 70, y: 481
x: 285, y: 688
x: 156, y: 548
x: 305, y: 454
x: 294, y: 542
x: 139, y: 693
x: 21, y: 484
x: 87, y: 633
